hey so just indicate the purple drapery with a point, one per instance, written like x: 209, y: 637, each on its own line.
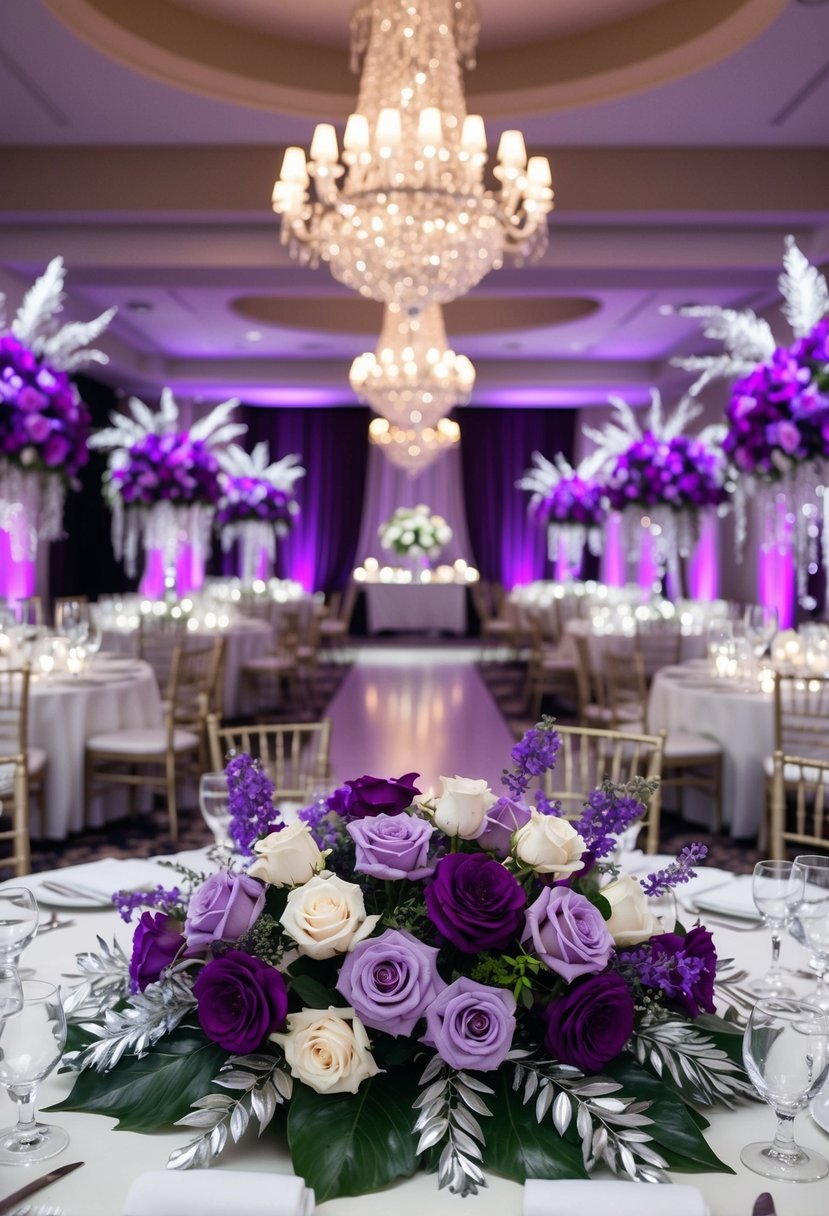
x: 496, y: 448
x: 333, y: 444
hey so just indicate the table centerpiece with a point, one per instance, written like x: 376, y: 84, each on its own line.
x: 257, y: 505
x: 454, y: 983
x: 415, y: 533
x: 571, y: 502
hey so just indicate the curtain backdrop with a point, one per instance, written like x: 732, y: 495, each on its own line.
x: 333, y: 444
x: 496, y: 447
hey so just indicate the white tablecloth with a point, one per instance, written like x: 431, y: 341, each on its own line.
x: 416, y: 607
x: 742, y: 722
x: 692, y: 645
x: 114, y: 1160
x: 63, y: 714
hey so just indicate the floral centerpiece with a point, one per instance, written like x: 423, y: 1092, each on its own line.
x: 43, y: 422
x: 455, y: 983
x: 162, y: 480
x: 415, y: 532
x: 778, y: 416
x: 257, y: 504
x: 571, y: 502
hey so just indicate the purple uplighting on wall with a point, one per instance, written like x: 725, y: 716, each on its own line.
x: 613, y: 567
x: 648, y: 570
x: 776, y: 565
x: 704, y: 566
x: 17, y: 578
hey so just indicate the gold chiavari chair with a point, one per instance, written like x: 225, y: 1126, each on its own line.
x: 294, y: 755
x: 799, y: 804
x: 15, y: 763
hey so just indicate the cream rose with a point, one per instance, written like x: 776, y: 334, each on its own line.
x: 461, y: 809
x: 631, y: 920
x: 287, y: 858
x: 327, y: 916
x: 327, y: 1049
x: 549, y: 844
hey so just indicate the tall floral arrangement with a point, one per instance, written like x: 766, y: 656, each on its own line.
x: 423, y: 982
x: 778, y: 416
x: 163, y: 480
x: 257, y: 504
x: 43, y: 422
x: 570, y: 502
x: 415, y: 532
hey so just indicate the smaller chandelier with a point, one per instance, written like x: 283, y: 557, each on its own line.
x: 413, y: 449
x: 412, y: 379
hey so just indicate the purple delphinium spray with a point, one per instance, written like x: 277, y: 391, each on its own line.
x: 679, y: 871
x: 532, y: 756
x: 250, y: 802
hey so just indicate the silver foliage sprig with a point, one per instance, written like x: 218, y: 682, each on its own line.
x: 260, y: 1084
x: 449, y: 1108
x: 103, y: 979
x: 702, y: 1072
x: 610, y: 1126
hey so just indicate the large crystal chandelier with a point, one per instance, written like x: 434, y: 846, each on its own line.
x: 413, y: 378
x: 408, y: 220
x: 413, y: 449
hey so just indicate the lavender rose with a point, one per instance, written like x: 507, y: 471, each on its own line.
x: 567, y: 933
x: 223, y: 909
x: 591, y: 1023
x: 502, y: 819
x: 688, y: 981
x: 471, y: 1025
x: 374, y: 796
x: 156, y: 943
x: 240, y: 1001
x: 390, y: 981
x: 475, y: 903
x: 392, y: 846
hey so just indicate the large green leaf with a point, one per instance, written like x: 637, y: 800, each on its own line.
x: 350, y: 1144
x: 519, y: 1147
x: 154, y: 1091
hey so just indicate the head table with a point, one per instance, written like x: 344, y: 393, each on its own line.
x: 114, y: 1159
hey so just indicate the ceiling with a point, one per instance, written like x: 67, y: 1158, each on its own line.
x: 141, y: 142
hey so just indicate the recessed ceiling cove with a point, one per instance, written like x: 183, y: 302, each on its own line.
x: 535, y: 55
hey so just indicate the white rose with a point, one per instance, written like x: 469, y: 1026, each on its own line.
x: 287, y: 858
x: 631, y: 920
x: 327, y: 916
x: 462, y: 807
x: 549, y: 844
x: 328, y: 1050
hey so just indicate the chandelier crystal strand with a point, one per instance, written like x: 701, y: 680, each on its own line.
x: 413, y: 449
x: 406, y: 218
x: 413, y: 379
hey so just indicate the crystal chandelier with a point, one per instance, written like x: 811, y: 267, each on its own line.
x: 413, y: 379
x: 414, y: 448
x: 411, y: 222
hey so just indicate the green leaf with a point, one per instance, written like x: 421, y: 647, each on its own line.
x: 148, y: 1093
x: 350, y: 1144
x: 519, y: 1147
x: 312, y: 993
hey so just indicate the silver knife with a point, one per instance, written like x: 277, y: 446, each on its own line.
x: 78, y: 890
x: 764, y: 1205
x: 11, y: 1201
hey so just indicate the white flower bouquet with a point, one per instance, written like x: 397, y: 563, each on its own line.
x: 415, y: 532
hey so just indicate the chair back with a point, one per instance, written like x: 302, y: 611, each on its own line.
x: 196, y: 683
x: 14, y: 777
x: 659, y: 644
x: 627, y: 688
x: 590, y: 684
x: 801, y: 715
x: 158, y: 639
x: 799, y: 804
x: 294, y: 755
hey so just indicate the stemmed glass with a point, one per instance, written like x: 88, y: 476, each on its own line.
x: 11, y: 993
x: 72, y: 621
x: 761, y: 623
x: 777, y: 889
x: 18, y: 922
x: 813, y: 918
x: 215, y: 809
x: 32, y: 1044
x: 786, y: 1054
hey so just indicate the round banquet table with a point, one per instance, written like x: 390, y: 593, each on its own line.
x: 113, y: 1160
x: 692, y: 645
x: 65, y: 711
x: 690, y: 699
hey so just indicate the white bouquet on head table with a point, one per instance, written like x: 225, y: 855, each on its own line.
x: 415, y: 532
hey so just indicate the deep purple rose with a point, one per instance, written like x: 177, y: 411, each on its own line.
x: 223, y: 909
x: 567, y: 933
x: 471, y: 1025
x: 689, y: 981
x: 475, y: 903
x: 591, y: 1023
x: 392, y: 846
x: 156, y: 942
x: 502, y: 819
x: 240, y: 1001
x: 374, y: 796
x: 390, y: 981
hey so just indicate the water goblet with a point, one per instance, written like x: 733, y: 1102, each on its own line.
x: 72, y: 620
x: 786, y: 1054
x: 777, y: 890
x: 813, y: 918
x: 11, y: 992
x: 761, y: 624
x: 215, y: 809
x: 18, y: 922
x: 32, y: 1044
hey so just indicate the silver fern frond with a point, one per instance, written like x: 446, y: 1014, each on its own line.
x: 804, y: 291
x: 35, y: 319
x: 701, y: 1071
x: 449, y: 1106
x: 69, y: 348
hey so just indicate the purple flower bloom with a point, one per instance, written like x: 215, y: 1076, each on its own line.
x: 374, y: 796
x: 573, y: 501
x: 607, y: 813
x: 168, y: 468
x: 471, y: 1025
x: 392, y: 846
x: 255, y: 499
x: 475, y: 903
x: 502, y: 819
x: 390, y: 981
x: 567, y: 933
x: 169, y: 901
x: 532, y: 756
x: 250, y: 802
x: 156, y: 942
x: 682, y: 472
x: 679, y: 871
x: 683, y: 968
x: 240, y: 1001
x: 223, y: 909
x: 589, y: 1025
x: 41, y: 413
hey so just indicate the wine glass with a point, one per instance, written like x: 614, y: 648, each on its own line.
x: 215, y: 809
x: 11, y: 992
x: 786, y: 1054
x: 32, y: 1044
x: 18, y: 922
x: 72, y: 621
x: 761, y: 624
x: 777, y: 889
x: 813, y: 918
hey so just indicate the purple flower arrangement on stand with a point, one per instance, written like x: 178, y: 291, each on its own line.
x: 420, y: 982
x: 571, y: 502
x: 257, y: 505
x: 44, y: 425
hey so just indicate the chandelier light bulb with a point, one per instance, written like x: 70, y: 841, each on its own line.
x: 324, y: 149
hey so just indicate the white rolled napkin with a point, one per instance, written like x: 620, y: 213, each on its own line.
x: 544, y: 1197
x: 218, y: 1192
